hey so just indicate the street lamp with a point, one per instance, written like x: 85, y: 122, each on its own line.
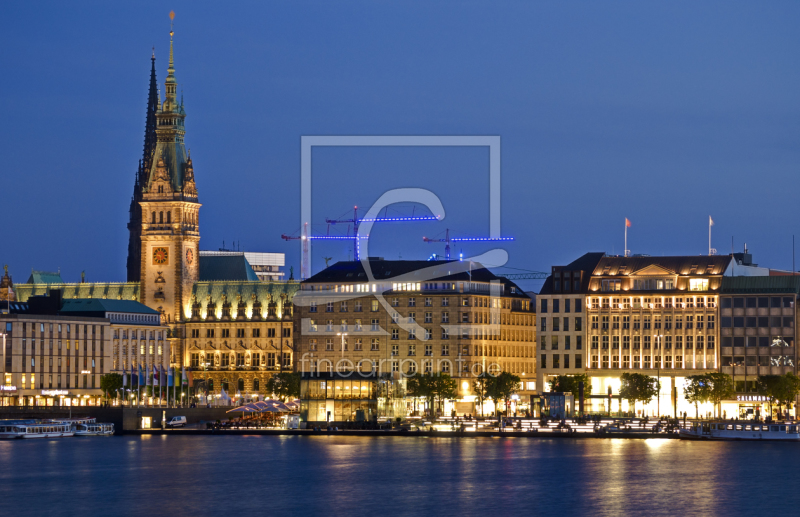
x: 343, y: 334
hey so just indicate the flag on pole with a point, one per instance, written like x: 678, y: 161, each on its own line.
x: 183, y: 376
x: 710, y: 221
x: 140, y: 380
x: 155, y: 375
x: 627, y: 223
x: 170, y: 378
x: 162, y: 376
x: 149, y: 373
x: 189, y: 376
x: 124, y: 376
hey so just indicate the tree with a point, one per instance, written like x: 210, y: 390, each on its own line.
x: 110, y: 383
x: 789, y: 387
x: 422, y: 386
x: 638, y: 387
x: 503, y: 386
x: 444, y: 387
x: 571, y: 384
x: 284, y: 385
x: 767, y: 386
x: 481, y: 388
x: 720, y: 387
x: 696, y: 391
x: 780, y: 389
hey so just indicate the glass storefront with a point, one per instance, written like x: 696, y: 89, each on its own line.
x: 332, y: 397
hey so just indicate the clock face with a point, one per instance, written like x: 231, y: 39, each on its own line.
x: 161, y: 256
x: 189, y: 256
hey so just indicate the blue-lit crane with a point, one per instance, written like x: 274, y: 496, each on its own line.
x: 447, y: 240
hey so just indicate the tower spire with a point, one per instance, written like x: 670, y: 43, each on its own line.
x: 171, y: 84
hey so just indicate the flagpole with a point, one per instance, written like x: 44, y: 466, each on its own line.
x: 625, y: 249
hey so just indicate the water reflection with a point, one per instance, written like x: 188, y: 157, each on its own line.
x: 395, y: 475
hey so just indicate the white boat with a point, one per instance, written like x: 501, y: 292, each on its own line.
x: 13, y: 429
x: 742, y: 430
x: 44, y: 430
x: 94, y: 429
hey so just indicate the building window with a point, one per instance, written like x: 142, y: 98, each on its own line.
x: 395, y: 349
x: 374, y: 305
x: 375, y: 344
x: 698, y: 284
x: 595, y: 342
x: 412, y: 350
x: 543, y: 362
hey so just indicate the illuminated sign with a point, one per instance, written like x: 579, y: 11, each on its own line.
x: 54, y: 393
x: 752, y: 398
x: 8, y: 388
x: 86, y: 372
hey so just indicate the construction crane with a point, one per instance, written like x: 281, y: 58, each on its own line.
x: 306, y: 237
x: 356, y: 222
x: 447, y: 240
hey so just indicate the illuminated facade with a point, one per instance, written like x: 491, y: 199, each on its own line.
x: 57, y: 349
x: 758, y: 336
x: 459, y: 323
x: 604, y: 316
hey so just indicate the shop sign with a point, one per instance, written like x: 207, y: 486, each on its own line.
x: 751, y: 398
x: 8, y: 390
x: 54, y: 393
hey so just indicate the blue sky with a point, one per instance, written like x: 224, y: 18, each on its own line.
x: 662, y: 113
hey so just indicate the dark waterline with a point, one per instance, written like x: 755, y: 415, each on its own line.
x: 224, y: 475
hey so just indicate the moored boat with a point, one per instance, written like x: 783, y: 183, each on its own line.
x: 742, y: 430
x: 94, y: 429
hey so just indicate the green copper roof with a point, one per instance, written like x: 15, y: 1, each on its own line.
x: 226, y: 268
x: 111, y: 291
x: 45, y: 277
x: 101, y: 305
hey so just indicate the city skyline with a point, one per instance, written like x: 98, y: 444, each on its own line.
x: 646, y: 121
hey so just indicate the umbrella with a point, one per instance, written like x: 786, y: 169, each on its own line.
x: 243, y: 409
x: 273, y: 409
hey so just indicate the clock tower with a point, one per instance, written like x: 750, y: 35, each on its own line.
x: 170, y: 233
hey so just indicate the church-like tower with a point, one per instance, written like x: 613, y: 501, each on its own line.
x: 135, y: 224
x: 170, y: 237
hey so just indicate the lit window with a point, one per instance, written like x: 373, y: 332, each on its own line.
x: 698, y: 284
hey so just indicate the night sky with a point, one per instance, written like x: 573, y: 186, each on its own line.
x: 664, y: 114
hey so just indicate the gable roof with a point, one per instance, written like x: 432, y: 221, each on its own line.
x: 45, y: 277
x: 681, y: 265
x: 228, y: 268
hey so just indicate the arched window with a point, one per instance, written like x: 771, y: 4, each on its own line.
x: 154, y: 218
x: 225, y: 384
x: 161, y: 217
x: 240, y: 384
x: 256, y: 385
x: 169, y: 217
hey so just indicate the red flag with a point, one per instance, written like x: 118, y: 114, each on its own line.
x: 627, y: 222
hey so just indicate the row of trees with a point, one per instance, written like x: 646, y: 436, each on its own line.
x: 284, y: 385
x: 434, y: 387
x: 710, y: 387
x: 496, y: 388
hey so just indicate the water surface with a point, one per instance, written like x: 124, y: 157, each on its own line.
x: 223, y: 475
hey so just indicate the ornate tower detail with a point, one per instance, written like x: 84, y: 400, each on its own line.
x: 150, y: 140
x: 170, y: 234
